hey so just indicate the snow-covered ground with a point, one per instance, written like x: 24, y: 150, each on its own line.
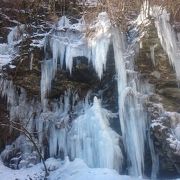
x: 62, y: 170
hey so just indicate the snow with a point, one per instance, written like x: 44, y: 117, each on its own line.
x: 78, y: 170
x: 62, y: 170
x: 8, y: 174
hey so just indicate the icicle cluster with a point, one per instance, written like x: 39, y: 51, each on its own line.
x: 89, y: 137
x: 68, y: 40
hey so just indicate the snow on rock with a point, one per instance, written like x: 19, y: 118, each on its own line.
x: 34, y: 173
x: 166, y: 128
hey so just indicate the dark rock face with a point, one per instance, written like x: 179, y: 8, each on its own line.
x: 172, y: 93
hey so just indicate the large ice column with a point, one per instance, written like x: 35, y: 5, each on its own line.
x: 134, y: 123
x: 92, y: 140
x: 132, y: 117
x: 167, y: 37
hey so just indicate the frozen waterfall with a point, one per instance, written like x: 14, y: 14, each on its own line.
x: 74, y: 127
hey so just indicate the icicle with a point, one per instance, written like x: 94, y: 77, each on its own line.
x: 31, y: 61
x: 155, y: 159
x: 167, y: 38
x: 47, y: 75
x: 152, y: 48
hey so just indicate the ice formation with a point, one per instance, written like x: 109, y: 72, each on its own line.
x: 92, y: 140
x: 131, y: 113
x: 167, y: 38
x: 89, y: 137
x: 8, y: 50
x: 68, y: 40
